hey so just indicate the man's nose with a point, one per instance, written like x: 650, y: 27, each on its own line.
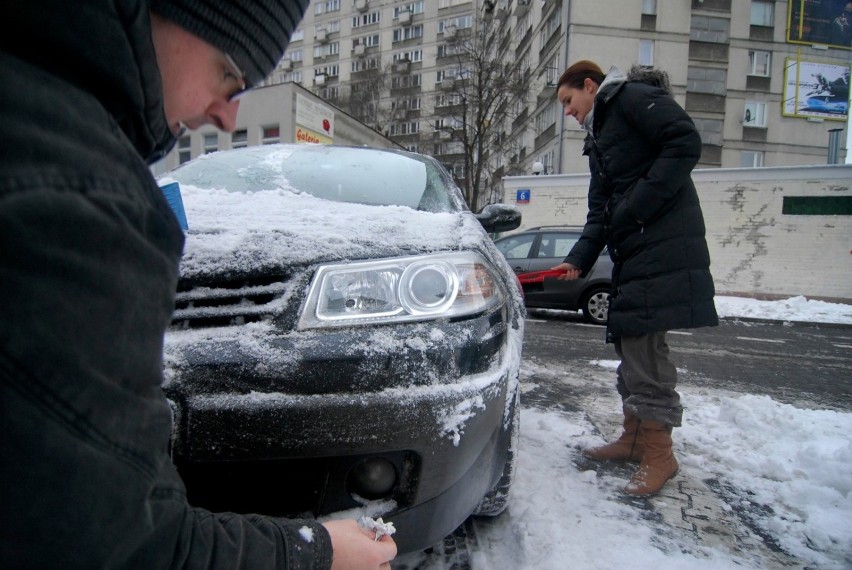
x: 223, y: 114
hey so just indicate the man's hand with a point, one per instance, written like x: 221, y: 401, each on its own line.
x: 571, y: 271
x: 355, y: 548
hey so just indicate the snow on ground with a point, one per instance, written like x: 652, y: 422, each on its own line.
x: 782, y: 474
x: 792, y: 309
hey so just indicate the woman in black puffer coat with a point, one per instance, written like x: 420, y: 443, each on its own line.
x: 643, y: 206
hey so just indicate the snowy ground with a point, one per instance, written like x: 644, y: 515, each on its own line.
x: 762, y: 484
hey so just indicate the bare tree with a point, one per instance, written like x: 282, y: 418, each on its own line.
x: 481, y: 90
x: 365, y: 95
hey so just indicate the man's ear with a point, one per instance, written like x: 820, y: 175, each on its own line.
x: 589, y: 85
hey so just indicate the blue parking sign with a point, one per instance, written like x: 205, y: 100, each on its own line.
x: 523, y: 196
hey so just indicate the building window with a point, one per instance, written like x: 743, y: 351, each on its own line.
x: 408, y: 33
x: 211, y: 143
x: 330, y: 93
x: 294, y: 76
x: 365, y: 64
x: 365, y: 20
x: 460, y: 23
x: 758, y: 63
x: 412, y: 8
x: 646, y: 52
x: 184, y: 153
x: 328, y: 71
x: 328, y: 6
x: 546, y: 161
x: 271, y: 134
x: 327, y: 50
x: 755, y: 114
x: 762, y: 13
x: 299, y: 34
x: 295, y: 55
x: 407, y: 128
x: 367, y: 41
x: 545, y: 119
x: 410, y: 56
x: 552, y: 71
x: 239, y: 138
x: 649, y: 7
x: 751, y: 159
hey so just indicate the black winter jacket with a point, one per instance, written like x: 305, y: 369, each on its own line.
x: 89, y: 253
x: 643, y: 205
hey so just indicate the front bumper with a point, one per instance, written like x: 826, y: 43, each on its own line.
x: 294, y: 453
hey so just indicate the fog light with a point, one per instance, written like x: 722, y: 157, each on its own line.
x: 372, y: 478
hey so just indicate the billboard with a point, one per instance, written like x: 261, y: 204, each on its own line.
x: 314, y: 122
x: 814, y: 89
x: 821, y: 22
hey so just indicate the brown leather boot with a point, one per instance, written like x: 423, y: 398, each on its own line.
x: 628, y: 447
x: 658, y: 464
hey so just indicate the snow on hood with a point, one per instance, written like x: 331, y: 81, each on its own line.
x: 243, y: 232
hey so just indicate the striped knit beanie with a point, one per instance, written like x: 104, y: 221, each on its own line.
x: 254, y: 33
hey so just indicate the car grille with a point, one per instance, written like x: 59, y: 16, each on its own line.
x: 227, y: 302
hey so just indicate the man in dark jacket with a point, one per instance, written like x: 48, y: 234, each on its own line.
x: 91, y: 93
x: 643, y: 206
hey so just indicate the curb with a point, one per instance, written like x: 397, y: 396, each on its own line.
x: 790, y: 323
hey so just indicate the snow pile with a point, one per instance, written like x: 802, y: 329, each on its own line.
x: 792, y: 309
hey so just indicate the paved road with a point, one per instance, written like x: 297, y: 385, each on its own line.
x: 802, y: 364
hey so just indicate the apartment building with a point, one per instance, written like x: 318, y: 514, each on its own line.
x: 733, y: 65
x: 762, y: 79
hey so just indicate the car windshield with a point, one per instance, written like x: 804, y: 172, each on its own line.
x: 342, y: 174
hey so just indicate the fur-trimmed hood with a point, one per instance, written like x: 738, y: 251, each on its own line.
x: 651, y: 76
x: 616, y: 78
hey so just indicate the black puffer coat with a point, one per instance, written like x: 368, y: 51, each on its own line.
x: 643, y: 205
x: 89, y: 255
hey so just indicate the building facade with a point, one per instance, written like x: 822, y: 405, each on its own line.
x: 762, y: 79
x: 282, y: 113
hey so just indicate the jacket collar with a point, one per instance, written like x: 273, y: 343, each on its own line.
x: 608, y: 88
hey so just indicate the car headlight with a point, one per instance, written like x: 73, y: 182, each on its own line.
x: 401, y: 289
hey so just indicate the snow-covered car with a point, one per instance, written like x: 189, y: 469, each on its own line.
x: 346, y: 340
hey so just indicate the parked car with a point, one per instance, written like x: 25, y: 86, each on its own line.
x: 346, y: 340
x: 533, y: 252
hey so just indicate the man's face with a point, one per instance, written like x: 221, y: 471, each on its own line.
x: 198, y: 79
x: 577, y: 102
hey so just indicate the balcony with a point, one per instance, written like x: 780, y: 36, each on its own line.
x: 402, y: 66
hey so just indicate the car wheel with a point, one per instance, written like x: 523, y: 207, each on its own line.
x: 596, y: 305
x: 497, y: 499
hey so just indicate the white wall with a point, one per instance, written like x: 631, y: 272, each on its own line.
x: 755, y: 249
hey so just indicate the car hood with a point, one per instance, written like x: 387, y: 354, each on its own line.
x: 267, y: 231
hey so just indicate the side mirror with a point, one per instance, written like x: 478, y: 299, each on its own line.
x: 499, y: 218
